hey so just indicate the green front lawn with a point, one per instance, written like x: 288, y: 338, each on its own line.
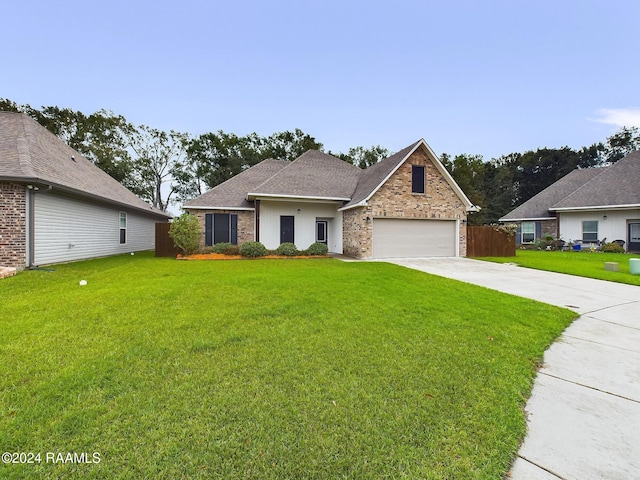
x: 264, y: 369
x: 582, y: 264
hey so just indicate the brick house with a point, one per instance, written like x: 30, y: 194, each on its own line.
x: 407, y: 205
x: 56, y: 206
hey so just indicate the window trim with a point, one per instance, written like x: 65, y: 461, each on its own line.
x: 590, y: 232
x: 532, y: 232
x: 123, y: 229
x: 418, y: 187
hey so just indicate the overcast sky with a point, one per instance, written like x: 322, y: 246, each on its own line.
x: 477, y: 77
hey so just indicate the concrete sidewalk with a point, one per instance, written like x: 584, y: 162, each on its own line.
x: 584, y: 411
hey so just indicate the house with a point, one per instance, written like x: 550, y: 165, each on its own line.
x: 56, y: 206
x: 586, y: 206
x: 407, y: 205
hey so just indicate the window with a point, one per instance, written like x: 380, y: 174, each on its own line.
x: 123, y: 227
x: 221, y: 228
x: 528, y: 232
x: 590, y: 231
x: 417, y: 179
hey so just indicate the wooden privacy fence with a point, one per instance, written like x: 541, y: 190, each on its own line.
x: 489, y: 242
x: 164, y: 243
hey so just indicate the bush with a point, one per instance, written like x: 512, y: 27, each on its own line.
x: 317, y: 249
x: 288, y: 249
x: 185, y: 232
x: 226, y: 248
x: 252, y: 249
x: 612, y: 248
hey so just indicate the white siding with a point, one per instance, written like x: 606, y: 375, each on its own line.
x: 304, y: 223
x: 67, y: 229
x: 613, y: 228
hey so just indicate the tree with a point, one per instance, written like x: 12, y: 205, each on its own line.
x: 622, y: 144
x: 287, y: 145
x: 363, y: 157
x: 469, y: 172
x: 159, y: 157
x: 185, y: 232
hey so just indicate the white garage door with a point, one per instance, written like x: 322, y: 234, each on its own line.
x: 403, y: 238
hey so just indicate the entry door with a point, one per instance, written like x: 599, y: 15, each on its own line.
x: 286, y: 229
x: 634, y: 237
x: 321, y: 231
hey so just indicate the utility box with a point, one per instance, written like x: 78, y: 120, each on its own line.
x: 634, y: 266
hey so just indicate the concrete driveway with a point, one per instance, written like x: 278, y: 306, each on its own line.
x: 584, y: 411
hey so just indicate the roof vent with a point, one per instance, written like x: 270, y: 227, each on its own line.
x: 73, y: 158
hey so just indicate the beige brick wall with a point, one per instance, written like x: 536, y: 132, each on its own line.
x: 13, y: 225
x: 246, y: 224
x: 395, y: 200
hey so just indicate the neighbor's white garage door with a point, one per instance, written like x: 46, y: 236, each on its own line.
x: 403, y: 238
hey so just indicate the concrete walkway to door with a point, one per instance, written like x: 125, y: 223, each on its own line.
x: 584, y: 411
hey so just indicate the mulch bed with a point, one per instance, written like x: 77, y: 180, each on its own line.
x: 222, y: 256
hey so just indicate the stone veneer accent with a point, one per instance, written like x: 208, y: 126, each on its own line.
x: 13, y: 225
x: 394, y: 199
x: 246, y: 224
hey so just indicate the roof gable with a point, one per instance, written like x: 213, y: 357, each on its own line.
x: 377, y: 175
x: 31, y: 153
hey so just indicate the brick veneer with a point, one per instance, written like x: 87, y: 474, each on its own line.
x: 13, y: 225
x: 395, y: 200
x: 246, y: 224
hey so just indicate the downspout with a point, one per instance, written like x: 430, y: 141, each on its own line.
x: 257, y: 232
x: 31, y: 222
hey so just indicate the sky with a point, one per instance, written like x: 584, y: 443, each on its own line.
x: 475, y: 77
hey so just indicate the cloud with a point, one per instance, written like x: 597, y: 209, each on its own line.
x: 620, y: 117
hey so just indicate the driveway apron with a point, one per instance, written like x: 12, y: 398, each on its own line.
x: 583, y: 416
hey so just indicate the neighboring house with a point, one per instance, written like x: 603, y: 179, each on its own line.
x: 586, y: 206
x: 56, y: 206
x: 407, y: 205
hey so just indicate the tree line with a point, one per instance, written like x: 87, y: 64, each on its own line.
x: 165, y: 168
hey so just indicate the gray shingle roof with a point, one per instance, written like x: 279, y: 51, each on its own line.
x: 313, y: 174
x: 233, y: 192
x: 615, y: 185
x: 30, y: 153
x: 537, y: 207
x: 618, y: 184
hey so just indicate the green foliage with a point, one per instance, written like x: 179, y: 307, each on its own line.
x: 252, y: 249
x: 363, y: 157
x: 185, y: 232
x: 266, y: 369
x: 612, y: 248
x: 287, y: 249
x: 317, y: 248
x: 226, y: 248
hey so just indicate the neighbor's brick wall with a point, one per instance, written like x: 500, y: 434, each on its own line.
x: 395, y: 200
x: 246, y: 224
x: 13, y: 225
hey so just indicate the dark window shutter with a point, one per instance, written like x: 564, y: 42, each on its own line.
x: 417, y: 179
x: 538, y: 230
x: 208, y: 229
x: 519, y: 233
x: 234, y: 229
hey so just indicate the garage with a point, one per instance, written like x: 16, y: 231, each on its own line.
x: 407, y: 238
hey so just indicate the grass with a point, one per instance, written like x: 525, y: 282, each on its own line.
x: 276, y: 369
x: 582, y: 264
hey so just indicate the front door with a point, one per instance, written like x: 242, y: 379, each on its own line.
x: 286, y: 229
x: 321, y: 231
x: 634, y: 237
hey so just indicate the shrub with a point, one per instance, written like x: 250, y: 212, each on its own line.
x: 317, y: 249
x: 221, y: 247
x: 185, y: 232
x: 288, y: 249
x: 232, y: 250
x: 612, y: 248
x: 252, y: 249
